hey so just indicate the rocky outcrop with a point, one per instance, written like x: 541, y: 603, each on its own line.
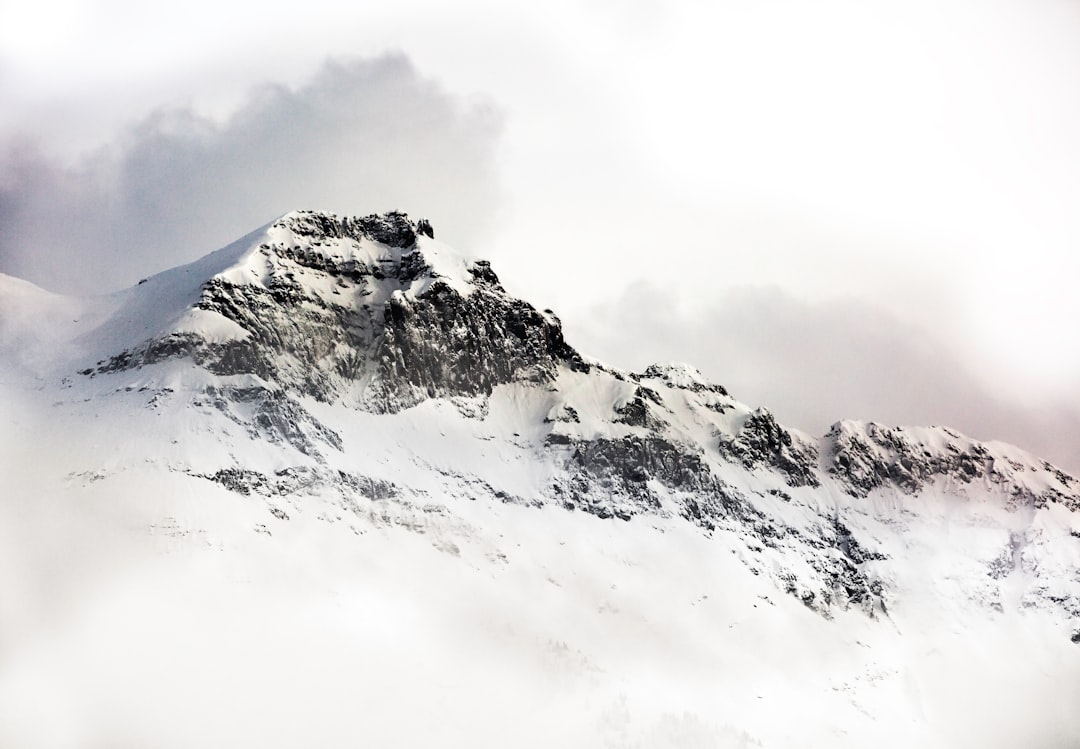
x: 631, y: 476
x: 637, y: 411
x: 393, y: 229
x: 303, y: 480
x: 871, y: 456
x: 441, y: 343
x: 683, y: 377
x: 761, y: 441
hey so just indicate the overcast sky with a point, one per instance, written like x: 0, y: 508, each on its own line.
x: 838, y: 209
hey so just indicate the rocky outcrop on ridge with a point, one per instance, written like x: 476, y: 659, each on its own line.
x: 872, y: 456
x: 761, y: 441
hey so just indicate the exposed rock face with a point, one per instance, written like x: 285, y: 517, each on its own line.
x: 442, y: 343
x: 762, y: 441
x: 683, y: 377
x: 392, y: 229
x: 301, y: 479
x: 390, y: 326
x: 638, y: 410
x: 641, y: 476
x: 874, y: 456
x: 611, y: 478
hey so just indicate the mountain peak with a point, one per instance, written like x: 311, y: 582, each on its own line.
x: 330, y: 397
x: 324, y: 241
x: 393, y: 229
x: 290, y: 331
x: 370, y: 309
x: 374, y: 312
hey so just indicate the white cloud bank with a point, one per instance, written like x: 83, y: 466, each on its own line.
x: 359, y: 137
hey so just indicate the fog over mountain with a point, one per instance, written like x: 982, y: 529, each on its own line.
x: 914, y: 166
x: 334, y: 482
x: 717, y: 389
x: 368, y: 131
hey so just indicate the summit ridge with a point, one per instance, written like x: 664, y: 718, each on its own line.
x: 361, y: 430
x: 315, y: 316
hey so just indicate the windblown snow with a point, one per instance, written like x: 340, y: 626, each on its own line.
x: 333, y: 486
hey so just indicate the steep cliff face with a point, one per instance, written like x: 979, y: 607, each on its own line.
x: 762, y: 441
x: 371, y: 310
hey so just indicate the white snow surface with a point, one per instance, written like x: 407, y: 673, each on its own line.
x: 142, y: 604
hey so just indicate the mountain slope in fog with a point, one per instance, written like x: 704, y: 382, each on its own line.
x: 334, y: 483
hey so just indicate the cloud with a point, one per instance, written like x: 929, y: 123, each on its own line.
x: 360, y: 137
x: 815, y: 363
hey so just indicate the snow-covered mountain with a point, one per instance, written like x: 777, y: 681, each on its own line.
x: 340, y: 430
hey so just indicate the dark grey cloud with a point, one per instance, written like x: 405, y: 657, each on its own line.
x: 360, y: 137
x: 813, y: 364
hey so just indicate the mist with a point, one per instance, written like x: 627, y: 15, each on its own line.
x: 361, y: 136
x: 815, y: 363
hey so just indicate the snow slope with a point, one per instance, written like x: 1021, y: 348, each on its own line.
x: 332, y: 486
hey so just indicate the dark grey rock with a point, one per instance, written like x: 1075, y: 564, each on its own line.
x: 304, y: 480
x: 664, y: 372
x: 611, y: 478
x: 761, y: 441
x: 878, y: 456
